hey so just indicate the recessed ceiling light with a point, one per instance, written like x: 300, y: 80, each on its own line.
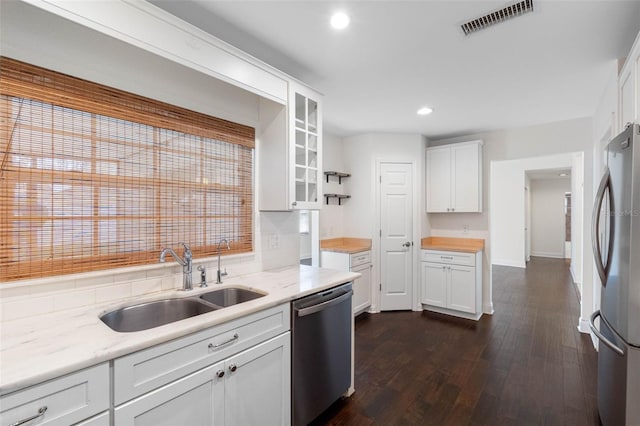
x: 340, y: 20
x: 425, y: 111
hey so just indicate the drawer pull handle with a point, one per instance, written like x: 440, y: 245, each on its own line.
x: 220, y: 373
x: 446, y: 257
x: 233, y: 368
x: 41, y: 412
x: 225, y: 343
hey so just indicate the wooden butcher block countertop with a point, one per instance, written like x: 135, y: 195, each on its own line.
x: 469, y: 245
x: 346, y: 245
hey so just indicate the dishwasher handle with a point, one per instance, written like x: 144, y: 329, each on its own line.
x: 321, y: 306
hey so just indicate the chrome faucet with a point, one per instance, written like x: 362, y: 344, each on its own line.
x: 220, y: 273
x: 185, y: 261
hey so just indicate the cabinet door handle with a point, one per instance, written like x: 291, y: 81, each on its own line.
x: 220, y: 373
x: 233, y: 368
x: 295, y: 203
x: 41, y: 412
x: 226, y: 342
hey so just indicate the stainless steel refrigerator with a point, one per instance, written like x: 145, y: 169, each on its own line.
x: 616, y: 247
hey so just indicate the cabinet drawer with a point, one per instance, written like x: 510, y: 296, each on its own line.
x: 449, y: 257
x: 68, y: 399
x: 360, y: 258
x: 151, y: 368
x: 99, y: 420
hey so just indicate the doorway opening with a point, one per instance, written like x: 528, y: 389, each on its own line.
x: 309, y: 237
x: 548, y: 213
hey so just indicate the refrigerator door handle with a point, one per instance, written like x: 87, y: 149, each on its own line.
x: 600, y: 336
x: 595, y: 227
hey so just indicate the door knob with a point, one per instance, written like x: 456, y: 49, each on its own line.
x: 407, y: 244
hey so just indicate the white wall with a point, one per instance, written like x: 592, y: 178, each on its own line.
x: 360, y: 156
x: 605, y: 122
x: 548, y: 216
x: 331, y: 216
x: 578, y: 212
x: 37, y: 37
x: 527, y: 217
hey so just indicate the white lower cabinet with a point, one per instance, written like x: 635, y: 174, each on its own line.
x: 62, y: 401
x: 362, y: 288
x: 99, y: 420
x: 452, y: 283
x: 250, y: 388
x: 236, y: 373
x: 434, y: 284
x: 258, y: 385
x: 197, y: 399
x: 354, y: 262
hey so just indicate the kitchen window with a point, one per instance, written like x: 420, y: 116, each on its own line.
x: 95, y: 178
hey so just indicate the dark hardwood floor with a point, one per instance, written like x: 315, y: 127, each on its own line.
x: 526, y: 364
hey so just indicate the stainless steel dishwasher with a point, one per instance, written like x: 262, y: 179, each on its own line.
x: 321, y: 355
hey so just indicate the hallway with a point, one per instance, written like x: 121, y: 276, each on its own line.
x: 526, y: 364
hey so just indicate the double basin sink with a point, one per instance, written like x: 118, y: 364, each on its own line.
x: 144, y: 316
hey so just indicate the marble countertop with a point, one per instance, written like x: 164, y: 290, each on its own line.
x: 36, y: 349
x: 467, y: 245
x: 346, y: 245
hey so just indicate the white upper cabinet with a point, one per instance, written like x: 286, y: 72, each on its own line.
x: 629, y: 88
x: 305, y: 119
x: 454, y: 178
x: 290, y: 152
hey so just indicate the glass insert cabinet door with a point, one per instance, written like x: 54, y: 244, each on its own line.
x: 306, y: 136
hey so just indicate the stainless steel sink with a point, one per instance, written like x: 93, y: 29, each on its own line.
x: 154, y: 314
x: 230, y: 296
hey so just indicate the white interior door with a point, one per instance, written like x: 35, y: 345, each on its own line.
x: 396, y: 235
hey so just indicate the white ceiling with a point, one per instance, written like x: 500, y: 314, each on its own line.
x: 397, y: 56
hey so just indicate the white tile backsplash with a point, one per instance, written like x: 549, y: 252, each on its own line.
x: 146, y: 286
x: 27, y: 307
x: 94, y: 281
x: 113, y: 292
x: 74, y: 299
x: 51, y: 288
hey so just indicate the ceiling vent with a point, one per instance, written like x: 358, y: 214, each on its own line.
x: 511, y: 11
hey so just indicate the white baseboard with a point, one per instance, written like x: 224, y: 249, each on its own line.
x: 488, y: 308
x: 514, y: 264
x: 547, y: 254
x: 583, y: 326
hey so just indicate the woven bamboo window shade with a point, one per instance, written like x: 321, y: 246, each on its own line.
x: 94, y: 178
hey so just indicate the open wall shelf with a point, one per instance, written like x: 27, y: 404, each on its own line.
x: 340, y: 197
x: 340, y: 175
